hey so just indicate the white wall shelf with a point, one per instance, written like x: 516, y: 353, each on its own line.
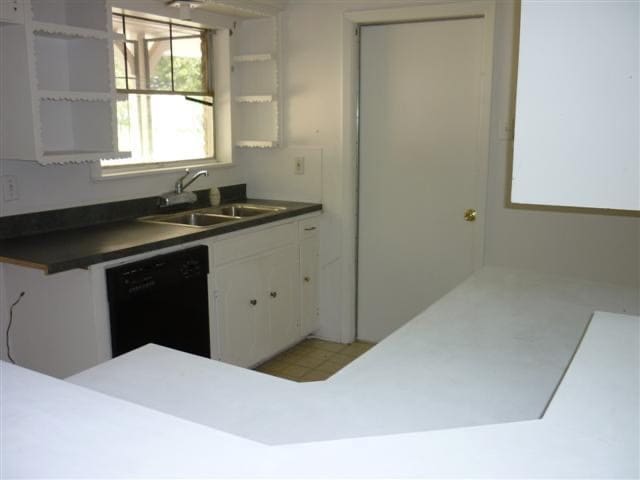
x: 256, y: 143
x: 57, y: 80
x: 66, y: 156
x: 91, y: 14
x: 55, y: 95
x: 256, y: 84
x: 72, y: 63
x: 258, y: 57
x: 57, y: 30
x: 255, y: 98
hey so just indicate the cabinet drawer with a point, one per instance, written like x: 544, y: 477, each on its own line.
x: 254, y: 243
x: 309, y: 227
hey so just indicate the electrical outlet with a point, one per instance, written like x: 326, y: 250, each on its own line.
x: 299, y: 165
x: 9, y: 188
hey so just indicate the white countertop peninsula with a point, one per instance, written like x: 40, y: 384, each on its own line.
x: 589, y: 429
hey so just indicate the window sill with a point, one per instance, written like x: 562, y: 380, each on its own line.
x: 100, y: 173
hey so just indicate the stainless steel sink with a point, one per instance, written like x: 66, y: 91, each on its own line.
x: 191, y: 219
x: 244, y: 210
x: 212, y: 216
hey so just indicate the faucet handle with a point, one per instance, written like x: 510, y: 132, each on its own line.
x: 180, y: 180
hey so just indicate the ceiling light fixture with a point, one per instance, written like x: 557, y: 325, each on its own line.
x: 185, y: 7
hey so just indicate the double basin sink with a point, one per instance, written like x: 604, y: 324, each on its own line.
x: 212, y: 216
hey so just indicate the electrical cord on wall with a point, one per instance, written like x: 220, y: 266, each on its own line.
x: 9, y: 326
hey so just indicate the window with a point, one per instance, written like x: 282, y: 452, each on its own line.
x: 165, y: 99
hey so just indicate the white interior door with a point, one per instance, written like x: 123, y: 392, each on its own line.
x: 421, y: 159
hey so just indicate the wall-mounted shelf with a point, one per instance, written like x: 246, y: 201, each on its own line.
x: 258, y: 57
x: 256, y: 83
x: 255, y: 98
x: 57, y: 30
x: 256, y: 144
x: 65, y: 156
x: 57, y: 81
x: 91, y: 14
x: 64, y: 96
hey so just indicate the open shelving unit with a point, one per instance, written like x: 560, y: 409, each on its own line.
x: 63, y: 61
x: 256, y: 83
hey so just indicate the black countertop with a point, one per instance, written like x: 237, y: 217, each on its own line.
x: 62, y: 250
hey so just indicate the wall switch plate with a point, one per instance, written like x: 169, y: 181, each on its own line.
x: 9, y: 188
x: 299, y: 165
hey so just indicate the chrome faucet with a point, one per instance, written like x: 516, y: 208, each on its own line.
x: 180, y: 186
x: 179, y: 196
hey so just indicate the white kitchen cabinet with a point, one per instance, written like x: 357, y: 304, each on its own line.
x: 265, y: 290
x: 281, y: 273
x: 577, y: 108
x: 256, y: 306
x: 240, y: 313
x: 309, y: 258
x: 57, y: 82
x: 309, y: 252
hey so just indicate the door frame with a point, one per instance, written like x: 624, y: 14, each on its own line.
x: 352, y: 21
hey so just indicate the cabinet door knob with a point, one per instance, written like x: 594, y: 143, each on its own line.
x: 273, y: 294
x: 307, y: 279
x: 309, y: 229
x: 253, y: 302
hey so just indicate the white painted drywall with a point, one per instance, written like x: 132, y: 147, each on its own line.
x: 577, y: 139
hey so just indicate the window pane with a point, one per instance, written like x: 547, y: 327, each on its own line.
x: 189, y: 57
x: 118, y: 63
x: 130, y: 72
x: 161, y: 128
x: 152, y: 62
x: 118, y: 54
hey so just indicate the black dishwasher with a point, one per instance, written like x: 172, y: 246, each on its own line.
x: 161, y: 300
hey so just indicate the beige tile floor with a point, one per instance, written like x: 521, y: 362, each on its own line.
x: 313, y: 360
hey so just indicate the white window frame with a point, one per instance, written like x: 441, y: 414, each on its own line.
x: 220, y: 66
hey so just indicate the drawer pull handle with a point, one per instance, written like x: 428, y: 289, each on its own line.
x: 309, y: 229
x: 274, y: 294
x: 253, y: 302
x: 307, y: 279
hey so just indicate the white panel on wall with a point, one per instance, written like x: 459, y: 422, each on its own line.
x: 577, y: 110
x: 271, y: 174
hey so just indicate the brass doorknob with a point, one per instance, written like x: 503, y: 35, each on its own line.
x: 470, y: 215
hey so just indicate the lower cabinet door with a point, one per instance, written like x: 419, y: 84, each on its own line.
x: 281, y: 273
x: 309, y: 253
x: 241, y: 313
